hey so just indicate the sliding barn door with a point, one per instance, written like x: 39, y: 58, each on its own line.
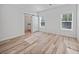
x: 35, y: 23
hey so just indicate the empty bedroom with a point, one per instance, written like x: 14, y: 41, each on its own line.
x: 39, y: 29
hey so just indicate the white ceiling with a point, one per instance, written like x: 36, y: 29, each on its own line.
x: 35, y: 7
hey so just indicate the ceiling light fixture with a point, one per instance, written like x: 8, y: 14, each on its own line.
x: 50, y: 4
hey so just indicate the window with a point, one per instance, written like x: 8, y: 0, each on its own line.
x: 66, y: 22
x: 42, y: 22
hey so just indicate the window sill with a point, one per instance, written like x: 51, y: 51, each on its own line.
x: 66, y: 29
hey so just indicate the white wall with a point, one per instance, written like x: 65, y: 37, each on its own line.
x: 78, y: 22
x: 53, y: 17
x: 11, y: 22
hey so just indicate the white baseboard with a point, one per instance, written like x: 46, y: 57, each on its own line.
x: 10, y: 37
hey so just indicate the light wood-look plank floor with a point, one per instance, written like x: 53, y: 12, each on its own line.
x: 40, y: 43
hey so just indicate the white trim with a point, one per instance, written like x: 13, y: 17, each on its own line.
x: 10, y: 37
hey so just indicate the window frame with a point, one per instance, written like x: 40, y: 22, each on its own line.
x: 41, y: 17
x: 61, y: 21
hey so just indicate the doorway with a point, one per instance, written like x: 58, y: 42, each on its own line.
x: 35, y: 24
x: 31, y: 23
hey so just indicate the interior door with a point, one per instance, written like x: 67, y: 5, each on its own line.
x: 35, y: 23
